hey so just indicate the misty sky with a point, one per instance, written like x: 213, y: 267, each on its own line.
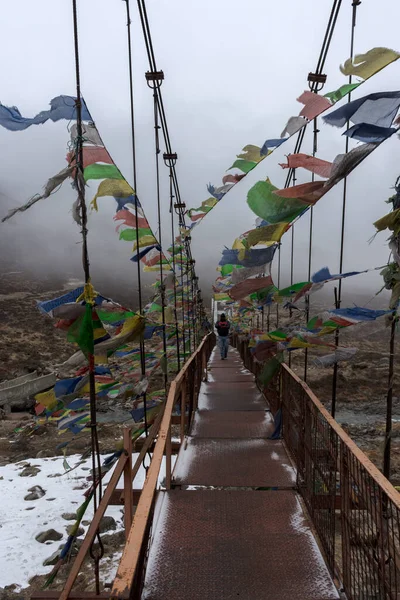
x: 233, y: 70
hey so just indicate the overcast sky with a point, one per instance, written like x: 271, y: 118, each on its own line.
x: 233, y: 70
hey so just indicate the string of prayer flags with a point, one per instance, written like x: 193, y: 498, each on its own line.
x: 340, y: 355
x: 52, y: 184
x: 342, y: 317
x: 363, y: 65
x: 61, y: 107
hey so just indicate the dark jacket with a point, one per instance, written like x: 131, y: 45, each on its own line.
x: 223, y: 328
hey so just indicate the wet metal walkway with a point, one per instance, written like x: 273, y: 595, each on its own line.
x: 233, y: 526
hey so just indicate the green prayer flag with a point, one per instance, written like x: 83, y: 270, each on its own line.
x: 270, y: 369
x: 154, y: 307
x: 244, y: 165
x: 128, y: 235
x: 312, y: 323
x: 113, y: 317
x: 264, y: 293
x: 272, y: 208
x: 101, y: 171
x: 293, y: 289
x: 164, y: 365
x: 341, y: 92
x: 81, y: 331
x: 227, y: 269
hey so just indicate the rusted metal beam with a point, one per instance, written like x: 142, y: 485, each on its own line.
x: 183, y: 409
x: 117, y: 497
x: 94, y: 525
x: 109, y: 495
x: 128, y: 492
x: 55, y: 595
x: 130, y: 557
x: 175, y: 446
x: 168, y: 460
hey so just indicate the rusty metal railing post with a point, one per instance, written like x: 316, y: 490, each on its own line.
x: 128, y: 490
x: 204, y: 364
x: 345, y: 514
x: 168, y: 453
x: 183, y: 408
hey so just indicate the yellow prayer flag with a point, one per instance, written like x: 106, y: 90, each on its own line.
x: 102, y: 359
x: 48, y: 398
x: 146, y: 240
x: 119, y: 188
x: 266, y: 235
x: 366, y: 65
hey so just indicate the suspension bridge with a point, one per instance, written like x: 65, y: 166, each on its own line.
x: 268, y: 497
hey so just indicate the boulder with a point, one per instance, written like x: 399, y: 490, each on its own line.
x: 53, y: 559
x: 107, y: 524
x: 36, y: 492
x: 44, y: 454
x: 80, y: 531
x: 69, y: 516
x: 29, y: 471
x: 49, y: 535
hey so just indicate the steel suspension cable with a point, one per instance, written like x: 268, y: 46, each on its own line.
x: 163, y: 120
x: 162, y: 285
x: 338, y: 291
x: 310, y: 241
x: 139, y: 274
x: 171, y: 210
x: 80, y: 185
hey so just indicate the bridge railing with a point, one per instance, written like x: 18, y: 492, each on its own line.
x: 354, y: 509
x: 184, y: 391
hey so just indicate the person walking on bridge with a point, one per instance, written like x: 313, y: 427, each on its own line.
x: 222, y: 326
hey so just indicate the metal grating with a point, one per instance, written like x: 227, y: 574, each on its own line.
x: 233, y: 463
x: 234, y: 544
x: 233, y: 425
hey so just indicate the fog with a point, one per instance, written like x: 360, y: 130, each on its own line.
x: 233, y: 71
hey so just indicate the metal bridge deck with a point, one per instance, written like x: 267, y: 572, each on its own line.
x: 249, y: 538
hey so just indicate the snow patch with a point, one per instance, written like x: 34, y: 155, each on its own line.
x: 22, y: 520
x: 322, y: 580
